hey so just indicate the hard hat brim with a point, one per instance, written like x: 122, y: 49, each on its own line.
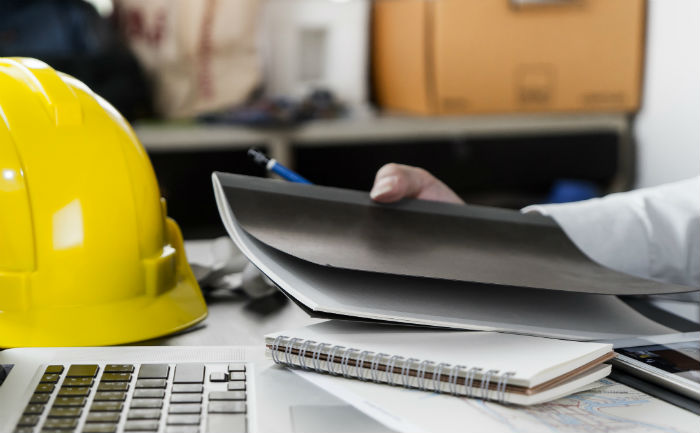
x: 136, y: 319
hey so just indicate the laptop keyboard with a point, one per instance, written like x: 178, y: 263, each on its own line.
x: 166, y: 398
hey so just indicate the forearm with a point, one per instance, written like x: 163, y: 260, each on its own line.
x: 652, y: 232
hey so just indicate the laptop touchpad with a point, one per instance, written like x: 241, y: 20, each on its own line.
x: 333, y: 418
x: 286, y: 402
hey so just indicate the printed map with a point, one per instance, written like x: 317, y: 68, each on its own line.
x: 611, y: 408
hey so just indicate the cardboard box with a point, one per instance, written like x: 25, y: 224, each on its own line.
x: 500, y: 56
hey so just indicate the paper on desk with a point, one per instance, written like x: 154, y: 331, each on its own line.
x: 609, y: 406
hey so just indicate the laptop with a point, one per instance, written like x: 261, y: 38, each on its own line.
x: 167, y: 389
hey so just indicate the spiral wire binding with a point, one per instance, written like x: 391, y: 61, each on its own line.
x: 276, y: 348
x: 316, y: 356
x: 469, y: 381
x: 485, y: 380
x: 501, y: 386
x: 420, y: 373
x: 375, y: 363
x: 405, y: 370
x: 344, y: 361
x: 288, y: 350
x: 374, y: 368
x: 359, y: 364
x: 390, y: 368
x: 437, y: 374
x: 331, y: 358
x: 302, y: 354
x: 452, y: 378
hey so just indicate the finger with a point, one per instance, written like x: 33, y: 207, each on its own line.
x: 384, y: 190
x: 396, y: 181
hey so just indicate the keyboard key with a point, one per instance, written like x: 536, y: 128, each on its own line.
x: 119, y: 368
x: 113, y: 386
x: 236, y: 376
x: 106, y: 406
x: 189, y: 373
x: 28, y: 421
x: 50, y: 378
x: 44, y: 388
x: 151, y: 383
x: 74, y: 392
x: 143, y: 414
x: 226, y: 423
x: 110, y: 396
x: 218, y: 376
x: 31, y: 430
x: 236, y: 386
x: 227, y: 407
x: 180, y: 429
x: 187, y: 387
x: 60, y: 423
x: 78, y: 381
x: 65, y: 412
x: 186, y: 398
x: 34, y: 409
x: 82, y: 371
x: 185, y: 408
x: 154, y: 371
x: 103, y: 417
x: 227, y: 395
x: 100, y: 428
x: 149, y: 393
x: 115, y: 377
x: 141, y: 425
x: 39, y: 398
x: 184, y: 419
x: 146, y: 403
x: 54, y: 369
x: 236, y: 366
x: 70, y: 401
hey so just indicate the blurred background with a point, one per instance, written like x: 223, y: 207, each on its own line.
x: 510, y: 102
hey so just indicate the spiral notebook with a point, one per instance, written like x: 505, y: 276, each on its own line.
x: 509, y: 368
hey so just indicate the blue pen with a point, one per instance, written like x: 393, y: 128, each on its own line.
x: 272, y: 165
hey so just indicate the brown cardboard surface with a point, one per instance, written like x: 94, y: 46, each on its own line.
x: 400, y: 44
x: 490, y: 56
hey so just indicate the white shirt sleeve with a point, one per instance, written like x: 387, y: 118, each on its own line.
x: 652, y: 232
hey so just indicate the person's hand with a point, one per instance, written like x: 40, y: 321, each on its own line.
x: 396, y: 181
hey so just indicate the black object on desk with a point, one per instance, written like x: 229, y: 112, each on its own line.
x: 655, y: 391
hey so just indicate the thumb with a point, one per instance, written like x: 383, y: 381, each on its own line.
x: 395, y: 181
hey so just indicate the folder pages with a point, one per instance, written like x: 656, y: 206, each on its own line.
x: 337, y: 254
x: 508, y: 368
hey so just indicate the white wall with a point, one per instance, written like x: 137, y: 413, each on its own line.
x: 667, y: 128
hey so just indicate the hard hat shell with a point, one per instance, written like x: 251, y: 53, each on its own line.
x: 87, y: 253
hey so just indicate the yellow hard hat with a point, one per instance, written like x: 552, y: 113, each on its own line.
x: 87, y: 253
